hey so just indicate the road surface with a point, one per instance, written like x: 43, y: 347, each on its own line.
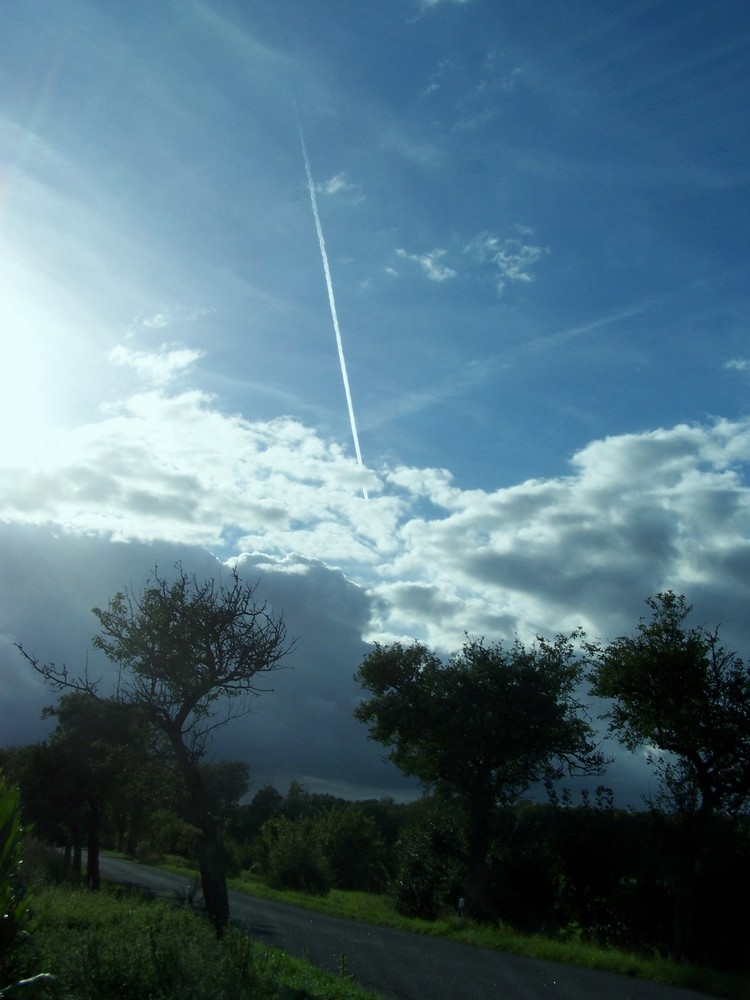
x: 405, y: 966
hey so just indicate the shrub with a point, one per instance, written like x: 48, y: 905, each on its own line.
x: 430, y: 869
x: 295, y: 859
x: 353, y: 848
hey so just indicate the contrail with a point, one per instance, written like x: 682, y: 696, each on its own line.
x: 331, y: 299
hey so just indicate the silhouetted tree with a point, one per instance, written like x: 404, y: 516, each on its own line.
x: 482, y: 727
x: 190, y: 656
x: 677, y: 691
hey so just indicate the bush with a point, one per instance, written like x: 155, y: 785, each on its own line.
x: 430, y: 868
x: 168, y: 834
x: 353, y: 848
x: 294, y: 857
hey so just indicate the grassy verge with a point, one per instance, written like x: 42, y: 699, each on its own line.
x: 119, y: 944
x: 376, y: 909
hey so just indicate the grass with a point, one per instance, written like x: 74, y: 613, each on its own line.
x: 120, y: 944
x: 377, y: 909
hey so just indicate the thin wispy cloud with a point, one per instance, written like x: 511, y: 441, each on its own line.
x: 426, y: 4
x: 339, y: 184
x: 430, y: 263
x: 738, y: 364
x: 511, y: 258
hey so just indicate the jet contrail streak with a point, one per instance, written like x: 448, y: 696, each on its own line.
x: 331, y: 299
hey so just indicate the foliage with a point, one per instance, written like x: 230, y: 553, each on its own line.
x: 500, y: 717
x: 352, y: 847
x: 430, y: 867
x: 224, y: 783
x: 647, y: 964
x: 675, y: 688
x: 295, y: 859
x: 190, y: 655
x: 13, y: 902
x: 122, y: 945
x: 483, y: 727
x: 186, y: 646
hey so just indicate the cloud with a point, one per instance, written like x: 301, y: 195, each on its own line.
x: 156, y: 322
x: 301, y: 727
x: 156, y: 367
x: 738, y: 364
x: 512, y: 258
x: 638, y: 512
x: 430, y: 264
x: 166, y: 476
x: 426, y: 4
x: 338, y: 184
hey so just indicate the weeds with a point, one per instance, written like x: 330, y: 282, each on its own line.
x: 122, y: 945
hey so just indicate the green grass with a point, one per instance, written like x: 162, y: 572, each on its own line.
x: 119, y: 944
x: 377, y: 909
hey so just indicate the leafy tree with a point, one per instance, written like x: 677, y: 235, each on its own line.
x: 190, y: 656
x: 677, y: 691
x: 675, y: 688
x: 98, y: 744
x: 246, y: 821
x: 225, y: 782
x: 482, y: 727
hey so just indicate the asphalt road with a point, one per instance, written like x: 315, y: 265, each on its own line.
x: 407, y: 966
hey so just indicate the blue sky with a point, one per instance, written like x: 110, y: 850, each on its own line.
x: 536, y: 225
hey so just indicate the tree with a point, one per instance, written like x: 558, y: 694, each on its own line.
x: 483, y: 727
x: 190, y: 656
x: 98, y: 745
x: 677, y: 691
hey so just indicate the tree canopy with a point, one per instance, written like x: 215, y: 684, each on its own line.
x: 675, y: 689
x: 483, y: 727
x: 190, y: 655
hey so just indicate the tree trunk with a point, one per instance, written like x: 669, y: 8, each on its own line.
x: 93, y: 880
x: 684, y: 912
x: 77, y: 838
x: 477, y: 880
x: 213, y: 871
x: 134, y: 826
x: 211, y: 857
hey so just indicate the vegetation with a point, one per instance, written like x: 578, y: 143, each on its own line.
x: 643, y: 892
x: 187, y: 652
x: 121, y: 944
x: 13, y: 904
x: 482, y: 728
x: 572, y: 948
x: 676, y: 690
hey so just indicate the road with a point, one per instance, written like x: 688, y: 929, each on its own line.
x: 407, y: 966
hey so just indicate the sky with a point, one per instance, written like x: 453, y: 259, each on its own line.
x: 429, y: 316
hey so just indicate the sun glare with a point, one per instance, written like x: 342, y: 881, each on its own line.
x: 21, y: 400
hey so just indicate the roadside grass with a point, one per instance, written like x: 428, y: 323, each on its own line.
x: 120, y: 944
x: 574, y: 950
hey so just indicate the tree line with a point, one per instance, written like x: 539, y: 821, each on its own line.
x: 478, y: 730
